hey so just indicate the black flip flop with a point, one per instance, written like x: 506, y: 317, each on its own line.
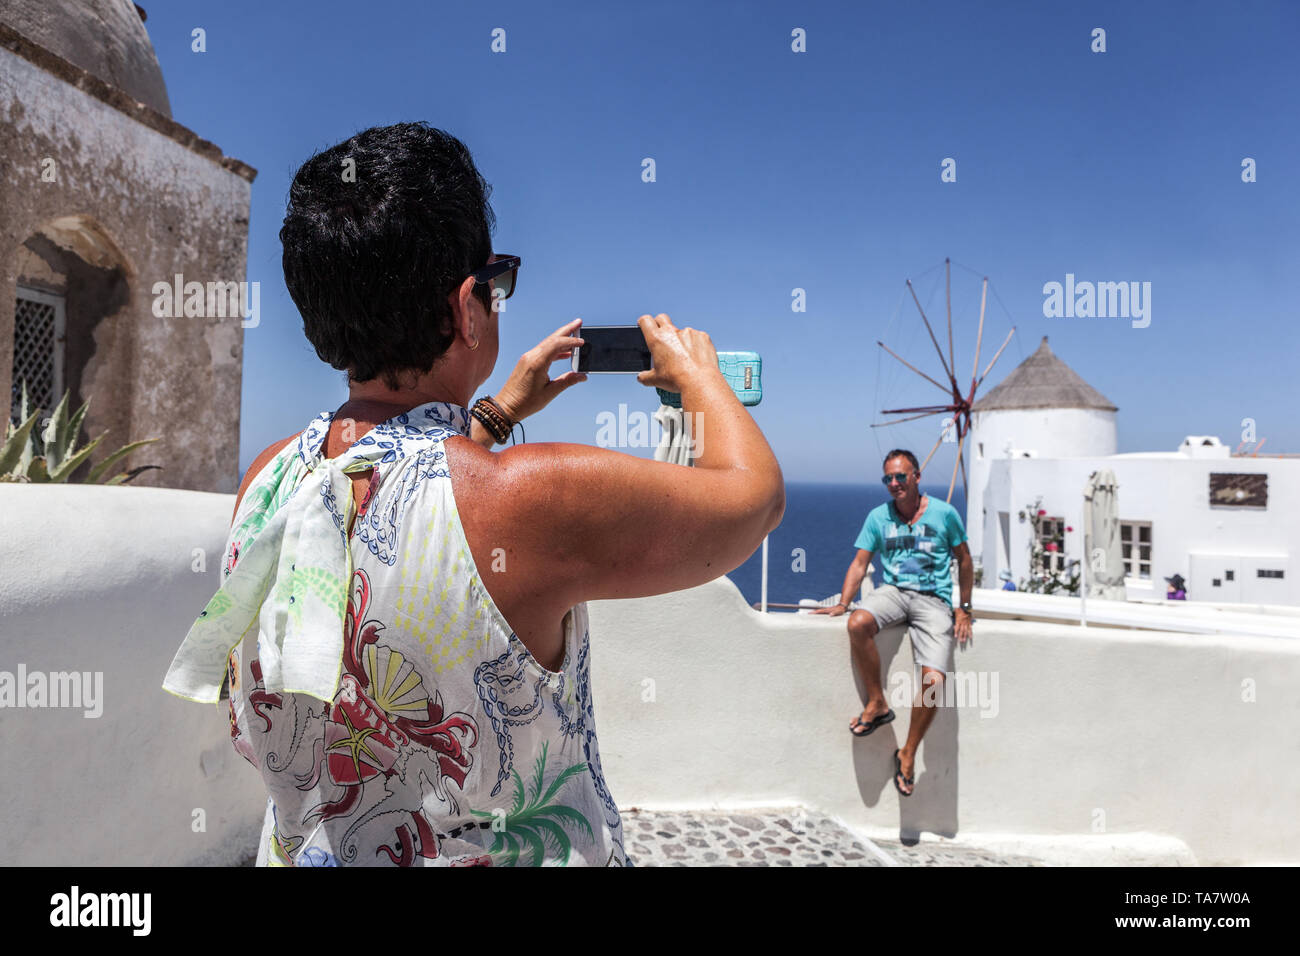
x: 898, y: 772
x: 884, y: 718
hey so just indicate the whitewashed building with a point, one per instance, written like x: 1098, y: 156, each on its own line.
x: 1227, y: 523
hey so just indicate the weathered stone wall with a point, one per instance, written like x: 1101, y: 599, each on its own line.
x: 142, y: 195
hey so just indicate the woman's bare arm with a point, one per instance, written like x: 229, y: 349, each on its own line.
x: 581, y: 523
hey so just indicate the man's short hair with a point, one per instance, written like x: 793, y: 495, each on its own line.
x: 901, y: 453
x: 379, y: 230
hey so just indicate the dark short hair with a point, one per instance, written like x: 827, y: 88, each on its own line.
x: 902, y: 453
x: 370, y: 263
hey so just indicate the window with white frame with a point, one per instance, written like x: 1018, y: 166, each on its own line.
x: 1135, y: 543
x: 38, y: 350
x: 1052, y: 531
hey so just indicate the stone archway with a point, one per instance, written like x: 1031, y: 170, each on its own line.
x: 72, y: 281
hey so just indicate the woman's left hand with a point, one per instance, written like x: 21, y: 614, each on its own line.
x: 530, y: 387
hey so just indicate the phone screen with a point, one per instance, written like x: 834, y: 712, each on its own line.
x: 612, y: 348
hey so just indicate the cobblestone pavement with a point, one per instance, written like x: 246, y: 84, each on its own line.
x: 782, y: 837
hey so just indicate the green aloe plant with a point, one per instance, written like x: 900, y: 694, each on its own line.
x: 533, y: 819
x: 51, y: 454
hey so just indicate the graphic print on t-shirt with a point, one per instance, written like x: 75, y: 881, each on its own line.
x: 916, y: 556
x: 921, y: 546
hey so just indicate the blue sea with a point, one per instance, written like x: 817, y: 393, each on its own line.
x: 823, y: 520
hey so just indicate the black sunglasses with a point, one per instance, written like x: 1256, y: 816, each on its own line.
x: 501, y: 272
x: 900, y: 477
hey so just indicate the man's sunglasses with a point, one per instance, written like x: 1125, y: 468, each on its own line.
x: 900, y: 477
x: 501, y: 272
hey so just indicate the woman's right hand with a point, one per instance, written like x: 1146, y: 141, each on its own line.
x: 678, y: 356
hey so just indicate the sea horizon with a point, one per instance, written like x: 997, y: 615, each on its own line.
x: 822, y: 519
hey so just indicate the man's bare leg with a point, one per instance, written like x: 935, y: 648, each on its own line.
x: 923, y: 715
x: 866, y: 658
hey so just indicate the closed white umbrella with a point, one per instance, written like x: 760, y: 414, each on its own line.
x: 675, y: 438
x: 1104, y: 562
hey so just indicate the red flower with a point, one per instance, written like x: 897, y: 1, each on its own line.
x: 1041, y: 512
x: 1068, y: 528
x: 1051, y: 546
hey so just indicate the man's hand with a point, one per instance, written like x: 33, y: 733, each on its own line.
x: 530, y: 387
x: 834, y: 611
x: 963, y: 626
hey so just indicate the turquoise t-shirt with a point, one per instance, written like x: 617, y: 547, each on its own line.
x: 915, y: 556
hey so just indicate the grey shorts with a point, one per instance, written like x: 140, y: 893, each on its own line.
x: 929, y: 618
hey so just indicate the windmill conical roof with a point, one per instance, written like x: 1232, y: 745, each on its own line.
x: 1043, y: 381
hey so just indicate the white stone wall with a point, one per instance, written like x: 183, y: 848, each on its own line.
x: 163, y: 209
x: 1106, y: 737
x: 699, y: 701
x: 101, y: 579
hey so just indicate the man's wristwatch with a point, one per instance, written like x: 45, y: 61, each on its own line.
x: 966, y: 606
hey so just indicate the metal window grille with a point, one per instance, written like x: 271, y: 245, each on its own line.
x: 38, y: 350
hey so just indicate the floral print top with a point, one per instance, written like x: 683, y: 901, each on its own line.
x: 393, y: 714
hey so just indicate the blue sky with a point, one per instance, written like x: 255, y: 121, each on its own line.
x: 820, y: 170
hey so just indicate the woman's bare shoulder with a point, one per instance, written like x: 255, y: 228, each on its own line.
x: 527, y: 491
x: 523, y: 476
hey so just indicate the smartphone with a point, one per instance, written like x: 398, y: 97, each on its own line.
x: 611, y: 348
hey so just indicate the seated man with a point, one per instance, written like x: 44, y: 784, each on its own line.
x: 916, y: 537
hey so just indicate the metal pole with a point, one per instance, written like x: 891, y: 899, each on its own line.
x: 952, y: 359
x: 1083, y: 576
x: 979, y: 340
x: 763, y: 597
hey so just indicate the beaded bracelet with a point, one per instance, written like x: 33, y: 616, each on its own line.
x: 505, y: 419
x: 491, y: 417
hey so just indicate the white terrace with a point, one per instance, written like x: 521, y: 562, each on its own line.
x: 1101, y: 744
